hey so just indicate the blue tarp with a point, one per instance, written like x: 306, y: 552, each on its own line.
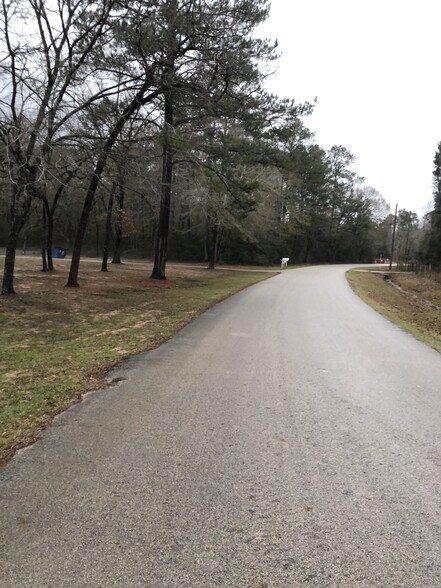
x: 59, y: 252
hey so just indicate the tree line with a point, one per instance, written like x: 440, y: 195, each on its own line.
x: 419, y: 240
x: 143, y: 127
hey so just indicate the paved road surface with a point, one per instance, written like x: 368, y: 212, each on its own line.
x: 290, y: 436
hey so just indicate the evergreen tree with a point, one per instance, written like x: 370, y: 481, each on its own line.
x: 407, y: 235
x: 434, y: 248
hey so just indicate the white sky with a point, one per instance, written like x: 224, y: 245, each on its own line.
x: 374, y: 66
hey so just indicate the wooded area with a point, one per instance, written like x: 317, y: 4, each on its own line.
x: 142, y: 128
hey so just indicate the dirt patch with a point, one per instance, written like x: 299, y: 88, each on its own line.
x: 15, y: 374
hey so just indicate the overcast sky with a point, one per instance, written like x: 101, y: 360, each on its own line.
x: 375, y: 69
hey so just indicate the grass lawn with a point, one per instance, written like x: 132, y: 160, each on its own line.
x: 57, y: 342
x: 410, y: 301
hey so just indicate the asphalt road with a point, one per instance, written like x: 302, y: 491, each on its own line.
x: 289, y: 437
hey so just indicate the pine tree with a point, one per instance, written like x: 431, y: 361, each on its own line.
x: 434, y: 248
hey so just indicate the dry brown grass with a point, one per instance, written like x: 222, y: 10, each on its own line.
x: 412, y: 302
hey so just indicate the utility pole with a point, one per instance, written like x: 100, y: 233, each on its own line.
x: 393, y: 237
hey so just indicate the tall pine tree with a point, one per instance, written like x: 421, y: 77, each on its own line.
x: 434, y: 252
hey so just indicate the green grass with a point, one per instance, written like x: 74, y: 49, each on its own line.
x: 57, y: 343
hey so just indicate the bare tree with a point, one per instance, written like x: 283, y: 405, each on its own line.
x: 48, y: 75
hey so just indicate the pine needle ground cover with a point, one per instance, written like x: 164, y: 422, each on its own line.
x: 57, y: 342
x: 410, y: 301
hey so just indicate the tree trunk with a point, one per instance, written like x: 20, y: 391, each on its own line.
x: 44, y: 240
x: 97, y: 234
x: 107, y: 232
x: 43, y: 259
x: 50, y: 240
x: 72, y: 280
x: 158, y: 272
x: 137, y: 102
x: 8, y: 272
x: 119, y: 224
x: 213, y: 239
x: 17, y: 223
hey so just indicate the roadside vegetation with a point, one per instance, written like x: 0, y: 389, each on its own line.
x: 57, y: 343
x: 410, y: 301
